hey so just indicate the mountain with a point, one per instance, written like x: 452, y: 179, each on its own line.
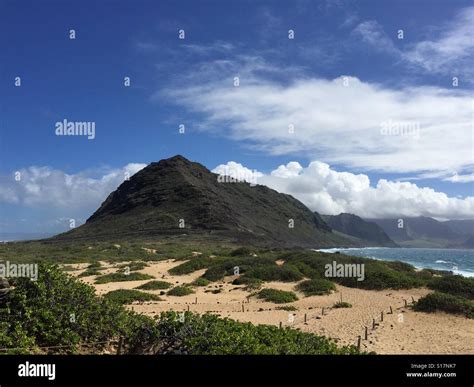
x: 421, y: 232
x: 465, y: 226
x: 368, y: 232
x: 178, y: 197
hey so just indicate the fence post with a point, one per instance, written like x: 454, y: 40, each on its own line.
x: 373, y: 323
x: 381, y: 316
x: 280, y: 324
x: 358, y: 343
x: 196, y: 301
x: 365, y: 333
x: 405, y: 302
x: 120, y: 344
x: 243, y: 308
x: 391, y: 310
x: 412, y: 299
x: 322, y: 311
x: 305, y: 317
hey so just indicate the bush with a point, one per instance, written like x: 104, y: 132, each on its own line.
x: 155, y: 285
x: 90, y: 272
x: 342, y: 304
x: 252, y: 283
x: 211, y: 335
x: 127, y: 296
x: 200, y: 282
x: 57, y: 310
x: 288, y: 308
x: 240, y: 252
x: 180, y: 291
x: 283, y: 273
x: 277, y: 296
x: 315, y: 287
x: 191, y: 266
x: 120, y: 277
x: 455, y: 285
x: 133, y: 266
x: 446, y: 303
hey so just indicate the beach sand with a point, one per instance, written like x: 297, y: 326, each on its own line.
x: 402, y: 332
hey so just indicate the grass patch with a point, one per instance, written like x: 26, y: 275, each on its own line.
x: 277, y: 296
x: 315, y: 287
x: 448, y: 303
x: 200, y: 282
x: 127, y: 296
x: 342, y: 304
x: 133, y: 266
x: 288, y: 308
x: 180, y: 291
x: 155, y: 285
x: 455, y: 285
x: 120, y: 277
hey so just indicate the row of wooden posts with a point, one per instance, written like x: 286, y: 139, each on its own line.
x: 374, y: 324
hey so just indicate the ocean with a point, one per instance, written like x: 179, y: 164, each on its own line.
x: 456, y: 260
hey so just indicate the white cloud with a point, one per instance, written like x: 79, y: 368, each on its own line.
x: 47, y: 187
x: 327, y: 191
x: 450, y: 50
x: 361, y: 125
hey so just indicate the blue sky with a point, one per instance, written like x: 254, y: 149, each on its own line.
x: 282, y: 81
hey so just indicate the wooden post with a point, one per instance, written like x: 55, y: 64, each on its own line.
x: 243, y: 308
x: 196, y: 301
x: 412, y: 299
x: 341, y: 296
x: 373, y: 323
x: 305, y: 317
x: 391, y: 310
x: 358, y: 343
x: 120, y: 344
x: 405, y: 301
x: 322, y: 311
x: 280, y: 324
x: 366, y: 335
x: 188, y: 308
x: 381, y: 316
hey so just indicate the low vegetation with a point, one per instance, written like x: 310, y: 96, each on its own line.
x: 155, y: 285
x: 180, y: 291
x: 127, y: 296
x: 121, y: 277
x: 277, y: 296
x: 67, y: 316
x: 200, y: 282
x: 444, y: 302
x: 132, y: 266
x: 315, y: 287
x: 342, y: 304
x: 455, y: 285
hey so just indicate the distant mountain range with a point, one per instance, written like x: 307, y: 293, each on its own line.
x: 179, y: 197
x: 369, y: 233
x: 428, y: 232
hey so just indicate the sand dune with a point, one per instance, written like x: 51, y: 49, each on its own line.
x: 403, y: 331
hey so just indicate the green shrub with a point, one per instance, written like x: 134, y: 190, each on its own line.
x: 446, y: 303
x: 56, y: 310
x: 127, y: 296
x: 90, y: 272
x: 155, y: 285
x: 315, y: 287
x: 211, y: 335
x: 275, y: 273
x: 200, y: 282
x: 191, y: 266
x: 455, y: 285
x: 120, y: 277
x: 342, y: 304
x: 180, y: 291
x: 277, y: 296
x: 241, y: 251
x: 288, y: 308
x: 133, y: 266
x: 252, y: 283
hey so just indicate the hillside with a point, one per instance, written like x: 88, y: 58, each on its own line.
x: 176, y: 196
x: 370, y: 233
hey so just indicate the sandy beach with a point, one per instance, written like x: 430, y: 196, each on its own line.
x: 403, y: 331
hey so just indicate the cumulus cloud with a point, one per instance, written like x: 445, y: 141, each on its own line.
x: 47, y: 187
x: 343, y: 121
x: 328, y: 191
